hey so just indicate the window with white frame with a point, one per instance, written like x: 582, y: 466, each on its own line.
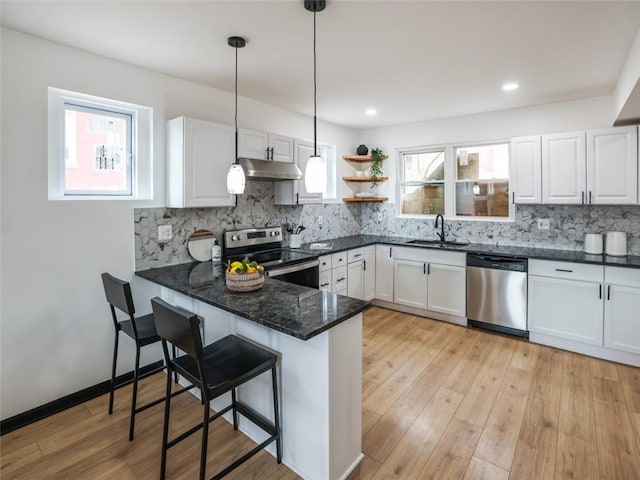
x: 98, y: 148
x: 464, y: 182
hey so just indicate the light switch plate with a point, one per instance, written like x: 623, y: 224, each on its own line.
x: 165, y: 233
x: 544, y: 224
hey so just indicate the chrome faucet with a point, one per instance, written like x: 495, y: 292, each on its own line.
x: 440, y: 234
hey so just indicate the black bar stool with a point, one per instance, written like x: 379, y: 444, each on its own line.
x: 143, y: 332
x: 215, y: 369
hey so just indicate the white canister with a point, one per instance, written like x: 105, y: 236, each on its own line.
x: 593, y: 243
x: 616, y: 243
x: 295, y: 240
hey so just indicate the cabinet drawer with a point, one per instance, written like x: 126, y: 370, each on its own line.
x: 355, y: 255
x: 568, y: 270
x: 325, y: 263
x: 339, y: 278
x: 338, y: 259
x: 324, y: 280
x: 629, y: 277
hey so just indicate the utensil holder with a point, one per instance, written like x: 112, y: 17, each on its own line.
x: 295, y: 240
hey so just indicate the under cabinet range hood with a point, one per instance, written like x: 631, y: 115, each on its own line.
x: 255, y: 169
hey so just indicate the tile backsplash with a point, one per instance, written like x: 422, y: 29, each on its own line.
x: 568, y: 224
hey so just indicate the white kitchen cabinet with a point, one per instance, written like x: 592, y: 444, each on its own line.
x: 526, y: 170
x: 565, y: 300
x: 621, y: 309
x: 324, y: 280
x: 384, y: 273
x: 446, y: 289
x: 369, y: 288
x: 564, y: 168
x: 265, y: 146
x: 410, y: 283
x: 338, y: 272
x: 612, y: 166
x: 355, y: 279
x: 294, y: 192
x: 199, y: 156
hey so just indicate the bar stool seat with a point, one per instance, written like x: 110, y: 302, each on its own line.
x: 218, y: 368
x: 146, y: 329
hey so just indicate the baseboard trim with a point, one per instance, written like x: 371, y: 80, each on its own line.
x: 56, y: 406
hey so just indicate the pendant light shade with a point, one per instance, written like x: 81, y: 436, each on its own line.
x: 235, y: 177
x: 315, y: 173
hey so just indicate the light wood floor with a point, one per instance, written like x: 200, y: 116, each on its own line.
x: 439, y: 401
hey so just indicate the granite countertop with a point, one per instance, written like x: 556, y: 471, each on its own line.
x: 355, y: 241
x: 291, y: 309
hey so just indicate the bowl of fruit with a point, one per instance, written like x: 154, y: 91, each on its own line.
x: 244, y: 276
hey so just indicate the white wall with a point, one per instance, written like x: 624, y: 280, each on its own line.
x: 56, y: 331
x: 552, y: 118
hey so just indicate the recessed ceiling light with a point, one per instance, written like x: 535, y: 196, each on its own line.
x: 509, y: 87
x: 371, y: 111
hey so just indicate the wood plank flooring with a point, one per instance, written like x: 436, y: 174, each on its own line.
x: 439, y: 402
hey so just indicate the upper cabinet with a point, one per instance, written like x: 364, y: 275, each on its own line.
x: 596, y: 167
x: 563, y: 168
x: 199, y: 156
x: 294, y: 192
x: 265, y: 146
x: 526, y: 170
x: 612, y: 166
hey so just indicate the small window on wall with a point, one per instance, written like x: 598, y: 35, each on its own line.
x: 98, y: 148
x: 482, y: 181
x: 423, y: 182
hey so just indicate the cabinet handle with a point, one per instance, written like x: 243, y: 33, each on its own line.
x: 325, y: 284
x: 428, y: 269
x: 589, y: 197
x: 390, y: 248
x: 424, y: 268
x: 582, y: 197
x: 297, y: 199
x: 341, y: 279
x: 364, y: 265
x: 513, y: 197
x: 608, y: 292
x: 600, y: 292
x: 271, y: 153
x: 563, y: 270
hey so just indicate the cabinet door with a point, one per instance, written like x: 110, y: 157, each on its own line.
x: 526, y: 170
x: 566, y: 308
x: 384, y: 273
x: 209, y: 150
x: 564, y: 168
x: 621, y: 319
x: 410, y: 283
x: 252, y: 144
x: 612, y: 166
x: 293, y: 192
x: 324, y: 280
x: 339, y: 279
x: 369, y: 288
x: 447, y: 289
x: 355, y: 279
x: 282, y: 148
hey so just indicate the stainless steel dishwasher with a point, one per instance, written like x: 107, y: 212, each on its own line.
x: 497, y: 293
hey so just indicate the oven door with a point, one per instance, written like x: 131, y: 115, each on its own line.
x: 305, y: 274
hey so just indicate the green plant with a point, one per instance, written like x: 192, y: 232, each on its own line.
x: 376, y: 166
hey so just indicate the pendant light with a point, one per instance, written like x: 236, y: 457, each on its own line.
x: 236, y: 177
x: 315, y: 173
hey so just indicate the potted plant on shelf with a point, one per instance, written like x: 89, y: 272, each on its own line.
x: 376, y: 166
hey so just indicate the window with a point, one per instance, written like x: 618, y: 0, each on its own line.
x: 470, y: 181
x: 482, y: 181
x: 423, y: 188
x: 98, y: 148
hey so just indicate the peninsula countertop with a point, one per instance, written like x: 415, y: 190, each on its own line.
x: 291, y: 309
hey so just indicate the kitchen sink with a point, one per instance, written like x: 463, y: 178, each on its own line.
x: 437, y: 243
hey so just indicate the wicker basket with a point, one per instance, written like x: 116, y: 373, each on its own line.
x: 244, y: 282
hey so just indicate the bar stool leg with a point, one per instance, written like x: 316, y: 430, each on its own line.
x: 112, y: 386
x: 235, y: 412
x: 205, y: 436
x: 165, y: 428
x: 134, y: 396
x: 276, y: 414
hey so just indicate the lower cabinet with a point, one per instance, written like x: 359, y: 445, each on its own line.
x: 361, y: 273
x: 410, y: 283
x: 384, y: 273
x: 622, y: 309
x: 444, y: 284
x: 369, y: 287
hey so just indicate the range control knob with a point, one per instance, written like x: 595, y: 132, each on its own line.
x: 236, y: 237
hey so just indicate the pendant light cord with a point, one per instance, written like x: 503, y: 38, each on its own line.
x: 236, y: 115
x: 315, y: 120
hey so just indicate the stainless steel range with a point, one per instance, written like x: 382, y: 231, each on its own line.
x: 264, y: 245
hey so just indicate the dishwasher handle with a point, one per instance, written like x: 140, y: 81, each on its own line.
x: 516, y: 264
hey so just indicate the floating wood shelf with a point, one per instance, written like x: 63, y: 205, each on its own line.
x: 361, y: 158
x: 364, y: 199
x: 363, y: 179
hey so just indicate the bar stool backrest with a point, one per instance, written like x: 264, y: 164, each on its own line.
x: 118, y: 293
x: 178, y: 327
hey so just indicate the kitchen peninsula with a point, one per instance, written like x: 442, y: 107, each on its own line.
x: 318, y: 336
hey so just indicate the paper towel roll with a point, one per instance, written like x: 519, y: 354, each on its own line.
x: 616, y: 243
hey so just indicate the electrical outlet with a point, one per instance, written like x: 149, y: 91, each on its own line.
x: 544, y: 224
x: 380, y: 217
x: 319, y: 220
x: 165, y: 233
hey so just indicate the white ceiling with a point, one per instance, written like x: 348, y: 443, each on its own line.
x: 412, y: 61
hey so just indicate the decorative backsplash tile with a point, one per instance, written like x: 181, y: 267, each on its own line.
x: 569, y: 224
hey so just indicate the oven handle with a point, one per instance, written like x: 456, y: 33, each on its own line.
x: 276, y: 272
